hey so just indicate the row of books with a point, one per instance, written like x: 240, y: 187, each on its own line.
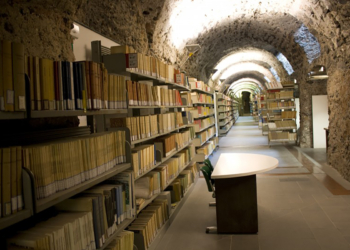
x: 282, y: 136
x: 282, y: 124
x: 274, y: 105
x: 225, y: 102
x: 201, y: 98
x: 63, y: 85
x: 142, y: 127
x: 280, y: 95
x: 149, y: 65
x: 73, y: 231
x: 109, y: 203
x: 155, y: 181
x: 182, y: 183
x: 221, y: 96
x: 11, y: 199
x: 208, y: 148
x: 204, y: 123
x: 288, y: 114
x: 143, y: 93
x: 144, y: 156
x: 124, y: 241
x: 150, y: 220
x: 85, y: 221
x: 195, y: 84
x: 205, y: 135
x: 225, y: 109
x: 199, y: 111
x: 12, y: 77
x: 61, y: 165
x: 226, y: 127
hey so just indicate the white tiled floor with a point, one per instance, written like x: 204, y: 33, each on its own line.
x: 296, y: 212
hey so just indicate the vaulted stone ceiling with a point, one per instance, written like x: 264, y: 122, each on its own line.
x: 294, y: 28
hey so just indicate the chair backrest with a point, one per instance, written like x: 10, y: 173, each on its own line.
x: 208, y: 163
x: 207, y: 176
x: 211, y: 169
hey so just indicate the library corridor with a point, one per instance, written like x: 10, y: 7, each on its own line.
x: 119, y: 118
x: 296, y: 210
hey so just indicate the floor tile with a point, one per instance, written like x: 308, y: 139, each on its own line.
x: 330, y: 238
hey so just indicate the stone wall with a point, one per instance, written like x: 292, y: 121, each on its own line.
x: 43, y: 26
x: 339, y: 119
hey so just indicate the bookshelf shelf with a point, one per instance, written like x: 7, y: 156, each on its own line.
x: 225, y: 131
x: 115, y: 63
x: 158, y: 107
x: 279, y: 99
x: 163, y: 160
x: 62, y: 113
x: 14, y: 218
x: 203, y: 103
x: 202, y: 91
x: 204, y: 116
x: 197, y: 143
x: 280, y: 129
x: 201, y: 157
x: 158, y: 135
x: 12, y: 115
x: 121, y: 227
x: 223, y: 124
x: 284, y: 128
x: 173, y: 214
x: 45, y: 203
x: 211, y: 125
x: 280, y: 108
x: 148, y: 201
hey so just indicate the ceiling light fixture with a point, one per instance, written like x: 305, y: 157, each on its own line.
x: 318, y: 72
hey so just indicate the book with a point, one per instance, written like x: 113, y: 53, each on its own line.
x: 7, y: 77
x: 2, y: 100
x: 6, y: 182
x: 18, y: 77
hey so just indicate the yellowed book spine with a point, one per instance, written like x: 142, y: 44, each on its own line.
x: 2, y: 101
x: 6, y: 182
x: 14, y: 180
x: 19, y: 76
x: 9, y: 95
x: 44, y: 84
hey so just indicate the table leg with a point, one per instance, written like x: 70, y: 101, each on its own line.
x: 236, y: 205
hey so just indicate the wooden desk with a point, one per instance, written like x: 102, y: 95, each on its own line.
x: 235, y: 189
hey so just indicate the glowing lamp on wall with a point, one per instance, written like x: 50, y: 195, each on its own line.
x: 318, y: 73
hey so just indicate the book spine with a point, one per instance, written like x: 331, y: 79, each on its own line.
x: 7, y: 76
x: 37, y: 85
x: 73, y: 94
x: 18, y: 76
